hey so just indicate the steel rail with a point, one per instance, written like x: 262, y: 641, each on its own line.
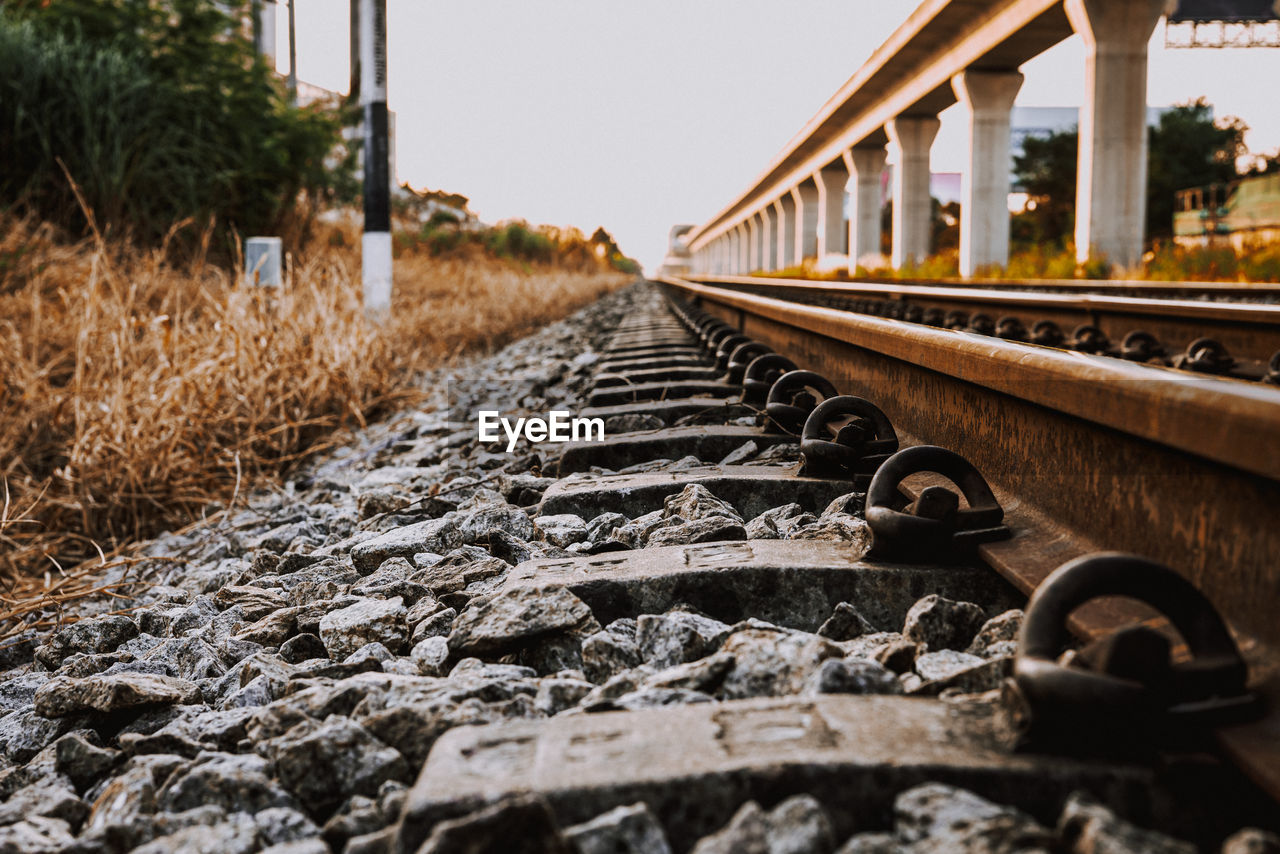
x: 1085, y: 453
x: 1244, y: 290
x: 1249, y: 330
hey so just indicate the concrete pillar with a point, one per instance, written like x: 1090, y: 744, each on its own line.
x: 768, y: 239
x: 865, y: 166
x: 1111, y: 183
x: 755, y: 228
x: 829, y: 229
x: 805, y: 198
x: 911, y: 138
x: 744, y: 241
x: 987, y: 96
x: 784, y: 210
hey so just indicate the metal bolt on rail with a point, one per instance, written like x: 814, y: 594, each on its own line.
x: 1126, y: 691
x: 762, y: 372
x: 1011, y: 328
x: 741, y: 358
x: 1206, y: 356
x: 863, y: 439
x: 705, y: 330
x: 1273, y: 369
x: 1089, y: 339
x: 717, y: 334
x: 1046, y: 333
x: 982, y: 324
x: 793, y: 397
x: 933, y: 527
x: 1140, y: 346
x: 726, y: 347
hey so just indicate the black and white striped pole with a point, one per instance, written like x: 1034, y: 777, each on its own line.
x: 376, y: 246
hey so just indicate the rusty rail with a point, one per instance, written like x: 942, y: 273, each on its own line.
x: 1248, y: 328
x: 1085, y: 452
x: 1242, y: 290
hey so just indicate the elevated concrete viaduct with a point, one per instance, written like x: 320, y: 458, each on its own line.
x: 947, y: 51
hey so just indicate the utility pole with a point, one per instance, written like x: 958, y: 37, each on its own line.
x: 353, y: 89
x: 376, y: 243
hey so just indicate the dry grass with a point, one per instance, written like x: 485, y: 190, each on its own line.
x: 132, y: 393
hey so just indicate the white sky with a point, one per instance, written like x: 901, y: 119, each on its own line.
x: 638, y: 116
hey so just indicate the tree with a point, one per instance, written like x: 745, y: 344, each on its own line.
x: 160, y: 110
x: 944, y: 226
x: 1187, y: 148
x: 1046, y: 172
x: 1263, y: 164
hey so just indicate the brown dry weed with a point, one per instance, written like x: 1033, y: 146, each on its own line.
x: 133, y: 392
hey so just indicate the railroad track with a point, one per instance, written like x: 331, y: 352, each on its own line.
x: 987, y: 472
x: 1221, y: 329
x: 755, y: 616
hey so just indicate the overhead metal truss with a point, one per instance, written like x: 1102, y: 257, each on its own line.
x: 1221, y: 34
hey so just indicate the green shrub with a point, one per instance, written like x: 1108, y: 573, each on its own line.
x: 515, y: 240
x: 159, y: 111
x: 439, y: 218
x: 623, y: 264
x: 1097, y: 267
x: 444, y: 241
x: 1168, y: 262
x: 1261, y: 264
x: 1040, y: 261
x: 943, y: 265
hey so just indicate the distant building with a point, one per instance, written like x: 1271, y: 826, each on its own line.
x: 1238, y: 214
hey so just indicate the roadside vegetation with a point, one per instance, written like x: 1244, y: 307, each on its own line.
x: 135, y: 391
x: 1166, y: 262
x: 140, y: 380
x: 159, y: 111
x: 443, y: 235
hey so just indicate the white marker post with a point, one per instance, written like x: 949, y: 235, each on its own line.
x: 376, y: 268
x: 262, y: 265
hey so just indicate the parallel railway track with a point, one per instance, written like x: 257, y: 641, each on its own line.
x: 1137, y: 321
